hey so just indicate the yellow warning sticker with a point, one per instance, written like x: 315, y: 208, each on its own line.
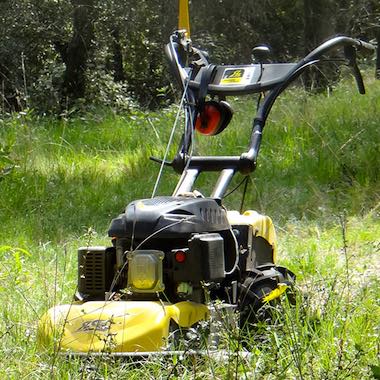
x: 232, y: 76
x: 237, y: 76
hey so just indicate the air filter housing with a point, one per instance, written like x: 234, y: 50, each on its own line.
x: 95, y: 272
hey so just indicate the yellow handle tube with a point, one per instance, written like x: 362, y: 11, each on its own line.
x: 183, y: 17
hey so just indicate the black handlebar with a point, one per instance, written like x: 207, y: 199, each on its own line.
x: 349, y: 44
x: 366, y: 45
x: 339, y: 41
x: 246, y: 163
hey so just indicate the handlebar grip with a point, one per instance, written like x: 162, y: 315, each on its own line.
x: 366, y: 45
x: 350, y: 53
x: 256, y: 140
x: 359, y: 79
x: 248, y: 159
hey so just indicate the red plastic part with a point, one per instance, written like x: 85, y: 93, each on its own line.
x: 208, y: 122
x: 180, y: 257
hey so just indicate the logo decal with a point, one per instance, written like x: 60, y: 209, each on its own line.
x: 95, y: 325
x: 237, y: 76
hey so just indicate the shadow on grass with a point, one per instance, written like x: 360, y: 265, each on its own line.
x: 56, y: 206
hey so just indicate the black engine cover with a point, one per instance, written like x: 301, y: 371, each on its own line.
x: 169, y: 217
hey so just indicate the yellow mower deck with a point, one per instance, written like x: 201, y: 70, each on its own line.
x: 116, y: 326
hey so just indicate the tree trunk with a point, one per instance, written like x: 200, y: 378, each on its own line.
x: 377, y: 73
x: 319, y: 25
x: 75, y: 53
x: 10, y: 97
x: 118, y: 70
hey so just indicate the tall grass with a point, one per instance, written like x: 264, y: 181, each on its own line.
x: 318, y: 177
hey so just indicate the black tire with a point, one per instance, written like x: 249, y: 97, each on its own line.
x: 251, y: 302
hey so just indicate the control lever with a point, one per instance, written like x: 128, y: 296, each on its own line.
x: 261, y: 53
x: 178, y: 163
x: 166, y: 163
x: 350, y: 54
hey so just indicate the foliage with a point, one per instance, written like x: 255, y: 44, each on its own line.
x: 70, y: 53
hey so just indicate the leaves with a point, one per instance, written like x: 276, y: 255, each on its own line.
x: 375, y: 371
x: 7, y: 164
x: 126, y: 59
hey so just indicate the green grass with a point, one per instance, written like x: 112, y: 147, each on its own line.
x: 318, y: 177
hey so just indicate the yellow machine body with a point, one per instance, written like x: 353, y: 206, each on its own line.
x: 116, y: 326
x: 134, y: 326
x: 261, y: 225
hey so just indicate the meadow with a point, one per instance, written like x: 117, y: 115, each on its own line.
x: 318, y: 177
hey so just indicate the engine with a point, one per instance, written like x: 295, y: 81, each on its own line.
x: 164, y: 247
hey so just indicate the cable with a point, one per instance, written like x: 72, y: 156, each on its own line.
x: 171, y: 136
x: 246, y: 178
x: 236, y: 264
x: 191, y: 148
x: 244, y: 192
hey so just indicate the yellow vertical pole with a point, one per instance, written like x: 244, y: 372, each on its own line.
x: 183, y: 17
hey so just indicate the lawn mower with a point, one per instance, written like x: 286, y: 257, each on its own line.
x: 182, y: 263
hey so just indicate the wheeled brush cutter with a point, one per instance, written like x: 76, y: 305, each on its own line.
x: 180, y: 262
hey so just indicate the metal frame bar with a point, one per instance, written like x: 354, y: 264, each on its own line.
x: 186, y: 182
x: 222, y: 184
